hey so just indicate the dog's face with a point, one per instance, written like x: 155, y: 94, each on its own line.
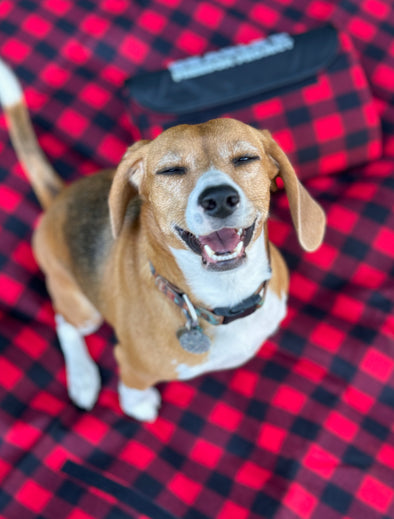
x: 207, y: 188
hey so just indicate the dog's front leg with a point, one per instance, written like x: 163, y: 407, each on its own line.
x: 83, y: 377
x: 137, y: 398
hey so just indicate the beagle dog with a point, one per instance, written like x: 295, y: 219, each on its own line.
x: 171, y: 249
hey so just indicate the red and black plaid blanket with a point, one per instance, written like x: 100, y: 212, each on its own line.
x: 306, y: 429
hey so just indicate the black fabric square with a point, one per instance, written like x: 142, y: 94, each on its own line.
x: 356, y: 458
x: 348, y: 101
x: 212, y: 387
x: 39, y: 375
x: 293, y: 342
x: 286, y: 467
x: 325, y: 397
x: 172, y: 457
x: 376, y: 212
x: 357, y: 139
x: 13, y: 406
x: 387, y: 396
x: 364, y: 333
x: 29, y: 464
x: 298, y: 116
x: 100, y: 459
x: 265, y: 506
x: 375, y: 428
x: 337, y: 498
x: 355, y: 248
x: 70, y: 492
x: 148, y: 485
x: 305, y: 428
x: 275, y: 371
x: 381, y: 303
x: 342, y: 368
x: 240, y: 447
x: 192, y: 422
x: 257, y: 409
x: 220, y: 484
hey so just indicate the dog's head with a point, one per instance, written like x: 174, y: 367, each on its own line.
x: 207, y: 189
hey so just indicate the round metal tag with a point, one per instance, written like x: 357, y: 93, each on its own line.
x: 193, y: 340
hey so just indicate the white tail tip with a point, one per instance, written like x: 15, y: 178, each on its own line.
x: 10, y: 88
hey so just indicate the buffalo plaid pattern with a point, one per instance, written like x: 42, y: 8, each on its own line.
x: 305, y: 429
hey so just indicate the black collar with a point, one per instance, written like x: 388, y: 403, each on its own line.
x: 215, y: 316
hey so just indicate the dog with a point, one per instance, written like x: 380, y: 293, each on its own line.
x: 171, y: 249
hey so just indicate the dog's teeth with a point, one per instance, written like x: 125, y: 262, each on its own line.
x: 224, y: 257
x: 209, y: 251
x: 240, y: 232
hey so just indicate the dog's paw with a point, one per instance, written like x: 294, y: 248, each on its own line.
x: 83, y: 376
x: 141, y: 405
x: 83, y: 383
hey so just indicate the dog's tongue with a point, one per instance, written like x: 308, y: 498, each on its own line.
x: 221, y: 241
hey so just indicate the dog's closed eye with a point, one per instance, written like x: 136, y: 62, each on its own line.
x: 243, y: 159
x: 173, y: 170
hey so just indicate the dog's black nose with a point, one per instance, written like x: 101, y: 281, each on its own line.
x: 219, y: 201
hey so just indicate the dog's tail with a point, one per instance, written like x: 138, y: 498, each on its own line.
x: 45, y: 181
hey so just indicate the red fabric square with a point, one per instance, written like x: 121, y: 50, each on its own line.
x: 377, y: 364
x: 348, y: 308
x: 23, y: 435
x: 341, y: 426
x: 9, y: 199
x: 328, y: 127
x: 327, y: 337
x: 378, y: 9
x: 152, y: 21
x: 134, y: 49
x: 162, y: 429
x: 244, y: 382
x: 320, y: 9
x: 15, y: 50
x: 342, y: 218
x: 252, y: 475
x: 265, y: 14
x: 385, y: 242
x: 386, y: 456
x: 206, y: 453
x: 73, y: 122
x: 233, y: 511
x: 36, y: 25
x: 319, y: 91
x: 289, y: 399
x: 10, y: 290
x: 302, y: 287
x: 357, y: 399
x: 76, y: 52
x: 92, y: 429
x: 375, y: 494
x: 95, y: 96
x: 9, y: 374
x: 268, y: 108
x: 320, y: 461
x: 137, y: 454
x: 31, y: 343
x: 33, y: 496
x: 48, y: 404
x: 225, y: 416
x: 186, y: 489
x: 362, y: 29
x: 95, y: 25
x: 179, y: 393
x: 309, y: 370
x: 300, y: 501
x: 271, y: 437
x: 208, y: 14
x: 368, y: 276
x: 191, y: 43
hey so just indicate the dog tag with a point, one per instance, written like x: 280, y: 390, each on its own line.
x: 193, y: 340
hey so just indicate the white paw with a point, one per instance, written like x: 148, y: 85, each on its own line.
x: 83, y: 376
x: 142, y: 405
x: 83, y: 383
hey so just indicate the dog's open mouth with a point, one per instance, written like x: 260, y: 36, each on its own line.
x: 220, y: 250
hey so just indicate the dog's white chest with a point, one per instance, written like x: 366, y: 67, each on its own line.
x: 237, y: 342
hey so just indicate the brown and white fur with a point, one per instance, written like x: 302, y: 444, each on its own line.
x: 98, y: 236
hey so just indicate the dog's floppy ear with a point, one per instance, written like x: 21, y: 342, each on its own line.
x: 308, y: 217
x: 125, y: 184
